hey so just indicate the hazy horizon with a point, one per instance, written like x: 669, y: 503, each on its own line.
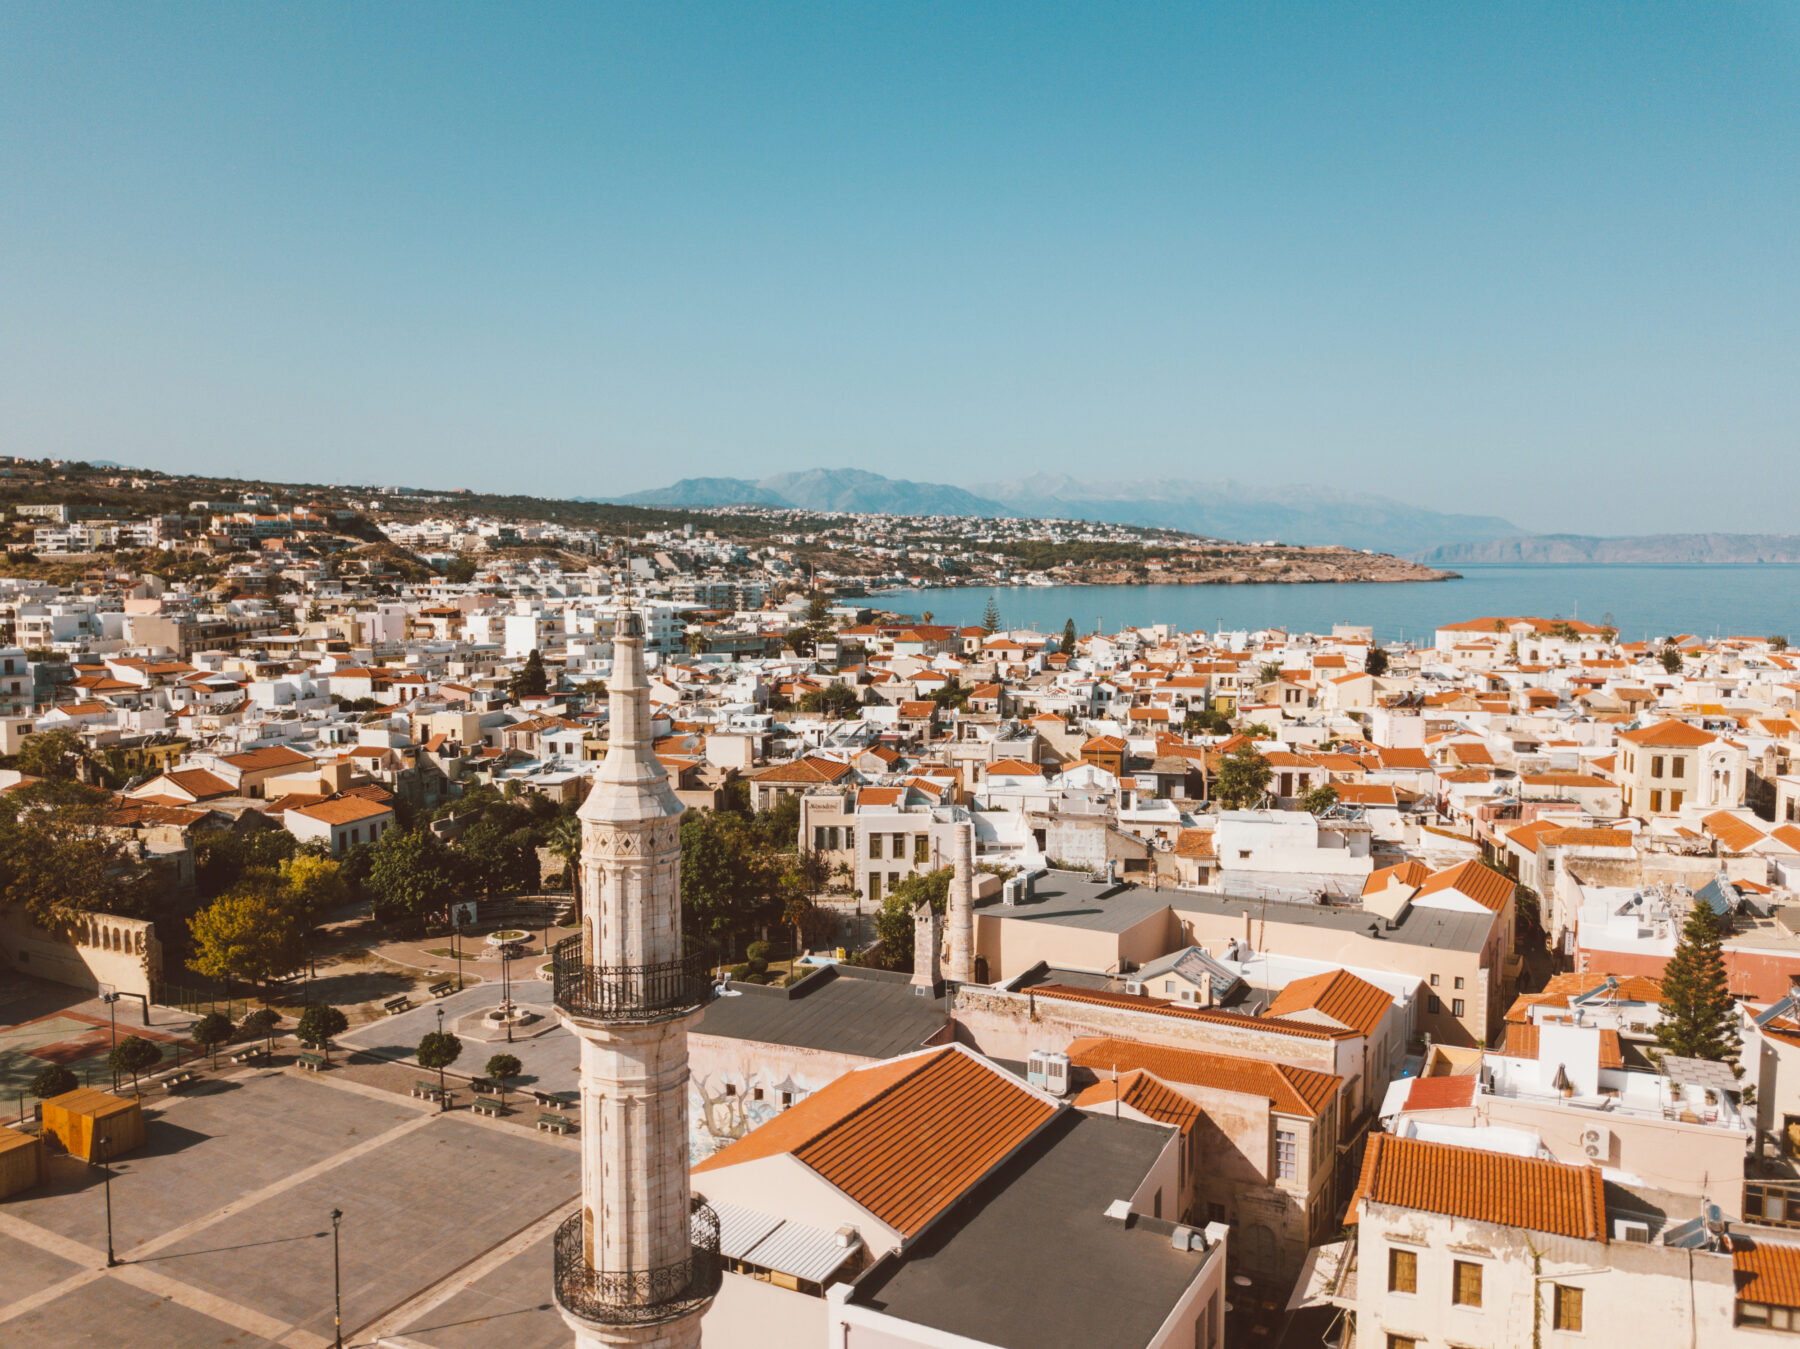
x: 1534, y: 263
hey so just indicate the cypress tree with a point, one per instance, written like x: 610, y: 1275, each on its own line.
x: 1068, y: 643
x: 990, y: 617
x: 1699, y: 1019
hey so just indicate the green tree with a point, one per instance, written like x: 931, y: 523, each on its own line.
x: 1068, y: 637
x: 460, y: 570
x: 56, y: 1080
x: 211, y: 1031
x: 318, y: 1023
x: 503, y: 1068
x: 990, y: 616
x: 411, y: 874
x: 1243, y: 778
x: 313, y: 885
x: 564, y: 841
x: 834, y: 700
x: 1319, y: 799
x: 531, y: 681
x: 261, y: 1024
x: 1699, y: 1016
x: 894, y: 922
x: 439, y: 1049
x: 134, y: 1055
x: 1376, y: 662
x: 1268, y: 673
x: 56, y: 755
x: 729, y: 876
x: 249, y: 934
x: 1671, y: 660
x: 1206, y: 721
x: 222, y: 856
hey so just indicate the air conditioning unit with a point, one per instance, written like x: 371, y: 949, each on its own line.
x: 1134, y: 988
x: 1048, y: 1070
x: 1630, y: 1229
x: 1597, y: 1142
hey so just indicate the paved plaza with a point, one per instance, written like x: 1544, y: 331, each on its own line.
x: 222, y: 1224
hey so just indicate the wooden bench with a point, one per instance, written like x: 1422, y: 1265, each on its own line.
x: 312, y: 1061
x: 251, y: 1054
x: 442, y: 989
x: 177, y: 1080
x: 487, y: 1105
x: 427, y: 1089
x: 395, y: 1006
x: 555, y: 1124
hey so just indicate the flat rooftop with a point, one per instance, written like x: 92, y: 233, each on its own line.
x: 842, y: 1009
x: 1028, y: 1259
x: 1075, y: 899
x: 1444, y: 929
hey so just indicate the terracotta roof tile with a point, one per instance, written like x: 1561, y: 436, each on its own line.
x: 1159, y: 1007
x: 1147, y: 1094
x: 1766, y: 1271
x: 1482, y: 1186
x: 1355, y: 1004
x: 1472, y: 879
x: 1292, y: 1091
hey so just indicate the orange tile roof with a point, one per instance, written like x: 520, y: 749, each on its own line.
x: 1290, y: 1090
x: 344, y: 810
x: 1587, y: 838
x: 198, y: 783
x: 1766, y: 1271
x: 1484, y: 885
x: 1355, y: 1004
x: 1482, y: 1186
x: 1674, y: 733
x: 905, y: 1138
x: 1195, y: 843
x: 274, y: 756
x: 1014, y: 768
x: 1147, y: 1094
x: 1522, y: 1043
x: 1365, y: 793
x: 1441, y: 1093
x: 1406, y: 873
x: 1737, y: 835
x: 807, y: 769
x: 1160, y: 1007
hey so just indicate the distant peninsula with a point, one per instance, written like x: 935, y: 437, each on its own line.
x: 1639, y: 550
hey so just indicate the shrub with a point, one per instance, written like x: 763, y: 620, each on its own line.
x: 759, y: 951
x: 740, y: 973
x: 53, y: 1081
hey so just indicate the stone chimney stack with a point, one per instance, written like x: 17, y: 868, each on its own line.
x: 928, y: 976
x: 962, y: 906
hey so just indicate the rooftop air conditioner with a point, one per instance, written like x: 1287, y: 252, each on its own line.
x: 1631, y: 1229
x: 1596, y: 1142
x: 1048, y: 1070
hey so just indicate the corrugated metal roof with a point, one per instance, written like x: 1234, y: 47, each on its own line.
x: 758, y: 1238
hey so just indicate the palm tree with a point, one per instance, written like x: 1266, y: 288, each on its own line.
x: 565, y: 842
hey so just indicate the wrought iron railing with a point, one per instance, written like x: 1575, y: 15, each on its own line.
x: 638, y: 1296
x: 628, y: 992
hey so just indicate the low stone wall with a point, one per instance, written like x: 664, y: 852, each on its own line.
x: 87, y: 951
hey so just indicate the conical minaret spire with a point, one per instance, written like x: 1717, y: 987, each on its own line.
x: 638, y: 1265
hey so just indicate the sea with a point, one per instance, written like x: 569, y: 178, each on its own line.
x: 1642, y: 602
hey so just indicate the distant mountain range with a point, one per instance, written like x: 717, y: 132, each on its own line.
x: 1223, y: 510
x: 1708, y: 549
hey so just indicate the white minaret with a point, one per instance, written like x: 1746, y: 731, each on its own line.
x: 638, y: 1265
x: 962, y: 906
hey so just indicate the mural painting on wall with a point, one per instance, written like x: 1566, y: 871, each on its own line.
x: 723, y: 1113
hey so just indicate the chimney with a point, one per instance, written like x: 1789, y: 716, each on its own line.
x: 962, y: 905
x: 927, y: 979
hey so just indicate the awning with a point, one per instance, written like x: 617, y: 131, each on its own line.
x: 809, y: 1253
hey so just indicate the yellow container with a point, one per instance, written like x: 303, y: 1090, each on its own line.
x: 21, y: 1161
x: 79, y: 1118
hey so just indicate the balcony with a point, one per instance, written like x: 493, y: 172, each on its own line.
x: 628, y: 993
x: 639, y: 1296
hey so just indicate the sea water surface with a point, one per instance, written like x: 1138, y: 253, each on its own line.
x: 1642, y: 602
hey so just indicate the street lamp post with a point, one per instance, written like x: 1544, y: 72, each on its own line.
x: 105, y: 1145
x: 112, y: 1014
x: 506, y: 986
x: 337, y: 1283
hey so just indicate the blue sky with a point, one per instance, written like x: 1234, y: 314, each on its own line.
x: 1533, y: 260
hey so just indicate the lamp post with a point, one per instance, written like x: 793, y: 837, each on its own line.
x: 112, y: 1016
x: 105, y: 1145
x: 337, y: 1284
x: 506, y: 985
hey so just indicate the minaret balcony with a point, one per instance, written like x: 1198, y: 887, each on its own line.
x: 628, y: 993
x: 625, y: 1297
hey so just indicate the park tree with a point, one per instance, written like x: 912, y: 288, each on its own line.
x: 57, y: 856
x: 894, y: 921
x: 438, y: 1050
x: 728, y: 878
x: 250, y: 934
x: 990, y: 616
x: 211, y: 1031
x: 318, y: 1023
x: 411, y: 874
x: 1376, y: 662
x: 503, y: 1068
x: 1243, y: 778
x: 55, y: 1080
x: 1699, y: 1015
x: 57, y: 756
x: 261, y: 1025
x: 313, y: 885
x: 222, y: 856
x: 1320, y: 799
x: 134, y: 1055
x: 531, y: 681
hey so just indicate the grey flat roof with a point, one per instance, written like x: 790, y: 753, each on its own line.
x: 1074, y: 899
x: 1445, y: 929
x: 842, y: 1009
x: 1027, y: 1259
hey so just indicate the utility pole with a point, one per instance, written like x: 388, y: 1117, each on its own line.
x: 105, y: 1142
x: 337, y: 1284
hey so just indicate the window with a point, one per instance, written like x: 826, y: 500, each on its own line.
x: 1432, y: 1004
x: 1674, y: 800
x: 1168, y: 985
x: 875, y: 887
x: 731, y: 1089
x: 1768, y: 1317
x: 819, y: 838
x: 921, y: 849
x: 1566, y: 1314
x: 1287, y: 1164
x: 1434, y: 980
x: 1403, y: 1271
x: 898, y: 851
x: 849, y: 839
x: 1402, y: 1342
x: 875, y: 847
x: 787, y: 1099
x: 893, y: 881
x: 1465, y: 1288
x: 1655, y: 802
x: 1459, y: 980
x: 756, y: 1094
x: 1456, y: 1007
x: 1656, y: 765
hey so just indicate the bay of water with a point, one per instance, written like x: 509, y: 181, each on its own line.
x: 1642, y: 602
